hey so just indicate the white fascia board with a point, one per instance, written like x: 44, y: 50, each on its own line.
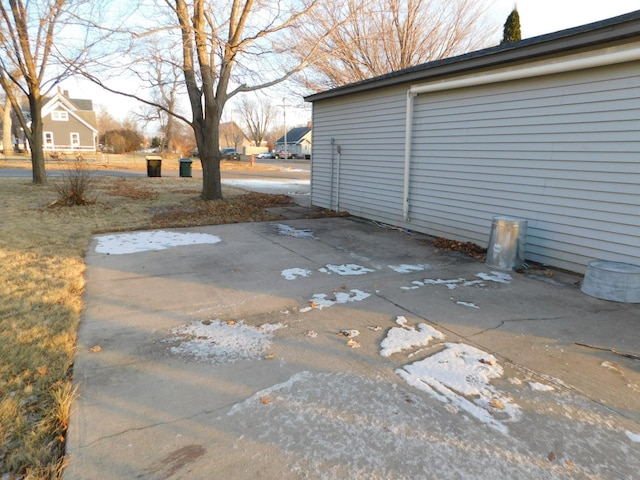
x: 598, y: 58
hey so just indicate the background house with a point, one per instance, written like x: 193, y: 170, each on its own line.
x: 545, y: 129
x: 298, y: 141
x: 69, y: 124
x: 232, y: 136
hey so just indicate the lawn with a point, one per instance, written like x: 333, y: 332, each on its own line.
x: 42, y: 249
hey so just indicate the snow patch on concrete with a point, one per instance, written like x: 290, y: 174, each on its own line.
x: 321, y: 300
x: 345, y: 269
x: 405, y: 268
x: 540, y: 387
x: 288, y: 231
x: 293, y: 273
x: 127, y: 243
x: 221, y: 342
x: 406, y: 337
x: 459, y: 376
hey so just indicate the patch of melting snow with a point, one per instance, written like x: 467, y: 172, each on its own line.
x: 320, y: 300
x: 498, y: 277
x: 634, y: 437
x: 345, y: 269
x: 453, y: 283
x: 293, y: 273
x: 466, y: 304
x: 405, y: 337
x: 404, y: 268
x: 288, y: 231
x: 540, y: 387
x: 126, y: 243
x: 459, y: 376
x: 222, y: 342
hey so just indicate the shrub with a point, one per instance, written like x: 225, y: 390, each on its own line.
x: 74, y: 185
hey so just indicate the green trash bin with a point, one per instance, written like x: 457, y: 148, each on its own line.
x: 185, y: 167
x: 154, y: 166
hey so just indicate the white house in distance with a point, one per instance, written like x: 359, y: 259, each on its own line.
x: 297, y: 141
x: 546, y: 129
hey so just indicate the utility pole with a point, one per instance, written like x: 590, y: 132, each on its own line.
x: 284, y: 119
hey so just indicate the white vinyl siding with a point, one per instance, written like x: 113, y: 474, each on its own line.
x: 561, y: 151
x: 369, y: 129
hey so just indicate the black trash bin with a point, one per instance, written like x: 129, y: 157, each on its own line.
x: 185, y: 167
x: 154, y: 166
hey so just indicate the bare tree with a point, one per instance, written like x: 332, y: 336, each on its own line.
x: 222, y: 44
x: 257, y: 117
x: 375, y: 37
x: 35, y: 35
x: 5, y: 111
x: 164, y: 79
x: 27, y: 31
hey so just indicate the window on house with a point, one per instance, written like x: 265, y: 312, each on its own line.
x: 48, y: 139
x: 60, y: 115
x: 75, y: 139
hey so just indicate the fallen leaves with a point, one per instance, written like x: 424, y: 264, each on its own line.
x: 468, y: 248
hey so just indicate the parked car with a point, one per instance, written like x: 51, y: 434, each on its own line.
x: 230, y: 154
x: 285, y: 154
x: 266, y: 155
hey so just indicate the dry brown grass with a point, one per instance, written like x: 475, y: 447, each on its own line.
x: 42, y: 250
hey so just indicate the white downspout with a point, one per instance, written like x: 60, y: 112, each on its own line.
x: 408, y: 136
x: 607, y: 56
x: 339, y: 150
x: 333, y: 141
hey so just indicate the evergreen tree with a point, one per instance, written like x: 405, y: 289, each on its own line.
x: 512, y: 28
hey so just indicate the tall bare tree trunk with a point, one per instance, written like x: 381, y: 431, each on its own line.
x: 36, y: 140
x: 6, y: 126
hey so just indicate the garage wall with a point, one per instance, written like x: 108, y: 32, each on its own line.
x: 561, y: 151
x: 366, y: 178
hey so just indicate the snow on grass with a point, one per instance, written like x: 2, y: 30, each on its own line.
x: 126, y: 243
x: 345, y: 269
x: 222, y: 342
x: 404, y: 268
x: 320, y: 300
x: 459, y: 376
x: 288, y: 231
x: 405, y: 337
x: 293, y: 273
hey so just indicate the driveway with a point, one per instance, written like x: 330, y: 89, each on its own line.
x: 339, y: 349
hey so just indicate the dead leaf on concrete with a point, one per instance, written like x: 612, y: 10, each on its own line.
x: 95, y: 348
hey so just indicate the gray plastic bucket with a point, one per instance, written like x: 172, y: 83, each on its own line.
x: 507, y: 243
